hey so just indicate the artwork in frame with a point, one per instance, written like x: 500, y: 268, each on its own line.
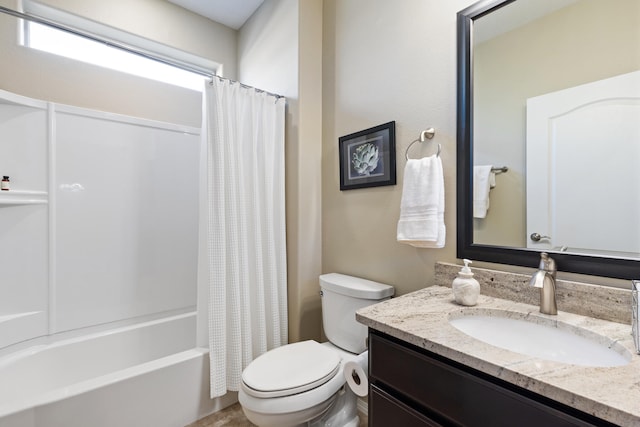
x: 368, y: 157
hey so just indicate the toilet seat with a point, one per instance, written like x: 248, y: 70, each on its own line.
x: 296, y: 402
x: 290, y: 369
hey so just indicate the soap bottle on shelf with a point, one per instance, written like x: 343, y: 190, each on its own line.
x: 465, y: 288
x: 5, y: 183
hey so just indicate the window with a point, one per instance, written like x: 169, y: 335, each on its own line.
x: 59, y: 42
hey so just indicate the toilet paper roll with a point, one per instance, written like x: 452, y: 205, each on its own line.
x: 355, y: 373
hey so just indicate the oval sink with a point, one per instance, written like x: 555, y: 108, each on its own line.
x: 542, y: 338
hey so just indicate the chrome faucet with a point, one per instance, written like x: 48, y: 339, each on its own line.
x: 545, y: 279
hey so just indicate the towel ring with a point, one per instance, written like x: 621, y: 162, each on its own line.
x: 424, y: 135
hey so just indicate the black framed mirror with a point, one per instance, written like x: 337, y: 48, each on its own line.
x: 622, y: 265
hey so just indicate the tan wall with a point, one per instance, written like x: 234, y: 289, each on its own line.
x: 163, y: 22
x: 279, y: 50
x: 386, y: 61
x: 344, y: 65
x: 48, y: 77
x: 554, y: 58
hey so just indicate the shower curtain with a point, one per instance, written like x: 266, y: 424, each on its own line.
x: 244, y: 131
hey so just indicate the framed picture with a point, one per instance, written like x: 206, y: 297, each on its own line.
x: 368, y: 157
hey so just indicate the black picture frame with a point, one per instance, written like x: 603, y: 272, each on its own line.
x: 368, y: 157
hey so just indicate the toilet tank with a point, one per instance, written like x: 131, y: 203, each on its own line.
x: 341, y: 296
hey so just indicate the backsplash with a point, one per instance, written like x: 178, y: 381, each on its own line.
x: 597, y: 301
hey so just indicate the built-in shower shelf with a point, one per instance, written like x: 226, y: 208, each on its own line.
x: 20, y: 198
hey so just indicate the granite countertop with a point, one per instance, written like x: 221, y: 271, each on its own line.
x: 422, y: 319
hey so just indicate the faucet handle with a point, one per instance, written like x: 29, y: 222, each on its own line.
x: 547, y: 263
x: 547, y: 266
x: 537, y: 279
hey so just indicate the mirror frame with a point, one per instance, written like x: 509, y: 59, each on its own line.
x: 566, y: 262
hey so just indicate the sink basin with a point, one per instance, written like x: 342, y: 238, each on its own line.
x: 541, y: 337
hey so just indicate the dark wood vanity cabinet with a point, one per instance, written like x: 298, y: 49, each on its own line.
x: 410, y: 386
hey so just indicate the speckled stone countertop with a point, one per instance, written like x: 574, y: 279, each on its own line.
x: 422, y: 318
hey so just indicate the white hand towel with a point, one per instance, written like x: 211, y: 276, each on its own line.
x: 421, y: 221
x: 483, y: 181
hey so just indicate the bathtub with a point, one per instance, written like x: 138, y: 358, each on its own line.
x: 149, y: 374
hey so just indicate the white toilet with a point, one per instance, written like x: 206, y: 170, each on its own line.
x: 303, y: 383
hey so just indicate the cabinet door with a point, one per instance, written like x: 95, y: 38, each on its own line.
x: 385, y: 411
x: 457, y: 394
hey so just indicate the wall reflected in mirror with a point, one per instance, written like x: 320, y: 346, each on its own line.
x: 571, y: 179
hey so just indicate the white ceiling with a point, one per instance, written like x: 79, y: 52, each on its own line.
x: 232, y: 13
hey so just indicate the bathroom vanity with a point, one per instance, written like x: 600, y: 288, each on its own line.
x: 415, y: 387
x: 425, y: 372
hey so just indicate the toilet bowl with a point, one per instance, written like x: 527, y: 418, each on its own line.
x: 303, y: 383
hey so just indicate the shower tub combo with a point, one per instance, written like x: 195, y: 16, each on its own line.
x: 145, y: 374
x: 98, y: 281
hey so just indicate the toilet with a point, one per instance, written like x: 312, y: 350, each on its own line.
x: 302, y: 384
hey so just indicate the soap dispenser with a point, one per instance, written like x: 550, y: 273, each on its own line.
x: 465, y: 288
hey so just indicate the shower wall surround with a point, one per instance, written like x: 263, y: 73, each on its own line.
x: 101, y: 222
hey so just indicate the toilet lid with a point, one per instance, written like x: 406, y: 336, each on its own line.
x: 292, y: 368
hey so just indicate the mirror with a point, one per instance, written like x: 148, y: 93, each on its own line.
x: 529, y: 73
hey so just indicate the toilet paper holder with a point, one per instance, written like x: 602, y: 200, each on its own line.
x: 355, y: 374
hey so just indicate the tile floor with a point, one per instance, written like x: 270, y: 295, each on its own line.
x: 233, y: 416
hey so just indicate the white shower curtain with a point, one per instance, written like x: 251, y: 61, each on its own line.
x: 246, y: 228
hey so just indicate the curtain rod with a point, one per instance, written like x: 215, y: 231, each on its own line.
x: 214, y: 76
x: 127, y: 48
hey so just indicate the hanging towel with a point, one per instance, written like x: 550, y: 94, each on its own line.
x: 421, y: 221
x: 483, y: 181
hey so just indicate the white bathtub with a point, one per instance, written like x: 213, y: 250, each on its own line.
x: 148, y: 374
